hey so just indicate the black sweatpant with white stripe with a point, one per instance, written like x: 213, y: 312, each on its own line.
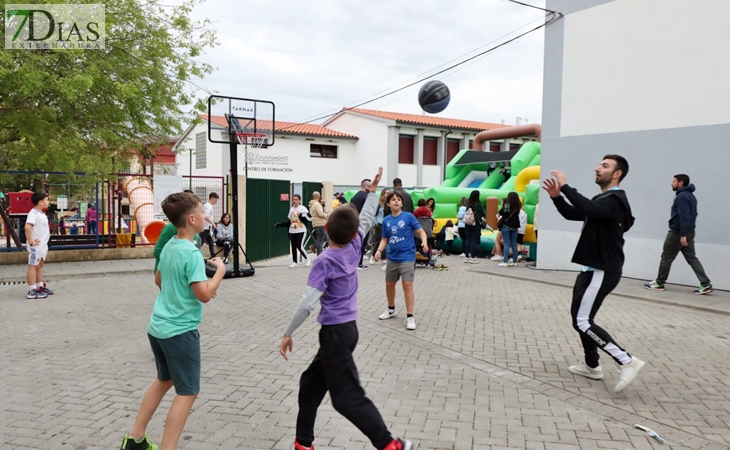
x: 591, y: 288
x: 297, y: 245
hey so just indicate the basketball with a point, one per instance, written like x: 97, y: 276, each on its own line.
x: 434, y: 96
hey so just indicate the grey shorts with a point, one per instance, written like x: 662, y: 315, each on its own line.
x: 400, y: 270
x: 178, y: 359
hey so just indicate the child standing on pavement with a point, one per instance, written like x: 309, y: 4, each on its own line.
x: 333, y: 282
x: 173, y: 329
x: 37, y: 235
x: 398, y: 230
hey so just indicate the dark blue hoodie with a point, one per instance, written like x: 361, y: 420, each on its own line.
x: 684, y: 211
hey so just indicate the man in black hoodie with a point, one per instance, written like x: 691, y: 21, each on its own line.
x: 681, y: 236
x: 600, y: 250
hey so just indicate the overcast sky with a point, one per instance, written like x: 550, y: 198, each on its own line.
x: 312, y: 58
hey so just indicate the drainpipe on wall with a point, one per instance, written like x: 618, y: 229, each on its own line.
x: 444, y: 147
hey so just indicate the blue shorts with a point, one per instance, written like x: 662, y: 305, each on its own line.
x: 178, y: 359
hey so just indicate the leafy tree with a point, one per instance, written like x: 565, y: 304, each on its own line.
x: 81, y: 110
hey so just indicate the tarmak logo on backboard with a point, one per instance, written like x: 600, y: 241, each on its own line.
x: 56, y: 27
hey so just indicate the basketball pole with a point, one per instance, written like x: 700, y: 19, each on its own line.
x: 233, y: 147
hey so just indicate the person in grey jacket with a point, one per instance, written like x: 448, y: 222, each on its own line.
x: 681, y: 237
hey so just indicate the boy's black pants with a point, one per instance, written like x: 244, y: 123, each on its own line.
x: 333, y: 369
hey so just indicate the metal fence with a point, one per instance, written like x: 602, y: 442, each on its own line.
x: 85, y: 212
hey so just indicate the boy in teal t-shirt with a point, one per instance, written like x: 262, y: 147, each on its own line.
x: 168, y: 231
x: 173, y: 330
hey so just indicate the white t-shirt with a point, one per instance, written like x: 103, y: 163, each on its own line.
x: 40, y: 227
x: 296, y: 225
x: 523, y: 222
x: 208, y: 212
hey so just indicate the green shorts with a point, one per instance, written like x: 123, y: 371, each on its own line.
x: 178, y: 359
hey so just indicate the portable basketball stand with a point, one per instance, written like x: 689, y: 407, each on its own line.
x: 236, y: 110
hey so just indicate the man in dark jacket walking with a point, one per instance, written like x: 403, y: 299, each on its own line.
x: 606, y: 217
x: 681, y: 237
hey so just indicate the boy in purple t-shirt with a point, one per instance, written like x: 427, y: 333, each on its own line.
x: 333, y: 282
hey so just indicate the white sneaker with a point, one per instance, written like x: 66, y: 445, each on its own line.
x: 583, y: 370
x: 497, y: 258
x: 462, y: 255
x: 388, y: 314
x: 628, y: 373
x: 384, y: 268
x: 467, y: 260
x: 309, y: 262
x: 502, y: 264
x: 473, y: 261
x: 372, y: 260
x: 410, y: 323
x: 292, y: 265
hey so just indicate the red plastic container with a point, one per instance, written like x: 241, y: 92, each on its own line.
x: 19, y: 202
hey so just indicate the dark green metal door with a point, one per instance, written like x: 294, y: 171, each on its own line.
x: 264, y: 208
x: 308, y: 188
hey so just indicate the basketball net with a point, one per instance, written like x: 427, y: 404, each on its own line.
x: 253, y: 143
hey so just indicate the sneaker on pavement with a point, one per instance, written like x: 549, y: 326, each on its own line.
x: 130, y: 444
x: 467, y: 260
x: 410, y: 323
x: 473, y: 261
x: 511, y: 264
x: 372, y: 260
x: 388, y: 314
x: 628, y: 373
x: 497, y: 258
x: 502, y: 264
x: 47, y: 291
x: 32, y: 294
x: 583, y: 370
x: 309, y: 262
x: 399, y: 444
x: 462, y: 255
x: 384, y: 268
x: 653, y: 285
x: 292, y: 265
x: 704, y: 289
x: 362, y: 267
x: 298, y: 446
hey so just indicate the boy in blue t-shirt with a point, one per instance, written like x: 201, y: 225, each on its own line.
x: 398, y: 230
x: 333, y: 282
x: 173, y: 330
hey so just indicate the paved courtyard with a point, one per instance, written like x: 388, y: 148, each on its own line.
x: 486, y: 368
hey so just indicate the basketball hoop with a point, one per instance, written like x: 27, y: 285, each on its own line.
x: 254, y: 140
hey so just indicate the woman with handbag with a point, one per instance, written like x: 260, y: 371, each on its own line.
x: 509, y: 224
x: 474, y: 214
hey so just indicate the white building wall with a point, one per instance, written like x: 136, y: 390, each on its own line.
x: 646, y: 80
x: 371, y: 148
x: 288, y: 159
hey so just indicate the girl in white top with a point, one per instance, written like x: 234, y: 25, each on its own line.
x: 224, y: 235
x: 298, y: 216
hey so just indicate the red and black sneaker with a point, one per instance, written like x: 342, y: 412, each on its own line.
x: 298, y: 446
x: 399, y: 444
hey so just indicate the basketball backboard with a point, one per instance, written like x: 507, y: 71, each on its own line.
x: 250, y: 116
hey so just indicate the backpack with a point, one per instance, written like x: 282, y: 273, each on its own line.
x: 469, y: 218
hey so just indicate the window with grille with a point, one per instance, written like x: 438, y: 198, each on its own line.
x: 201, y: 158
x: 202, y: 193
x: 322, y: 151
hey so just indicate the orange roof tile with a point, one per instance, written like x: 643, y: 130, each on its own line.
x: 307, y: 129
x: 429, y: 120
